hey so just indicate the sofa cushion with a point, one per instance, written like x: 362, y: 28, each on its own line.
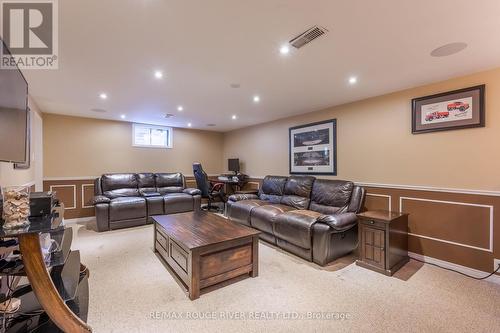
x: 155, y: 205
x: 272, y: 188
x: 331, y: 196
x: 297, y: 191
x: 296, y: 227
x: 178, y: 203
x: 119, y: 185
x: 239, y: 211
x: 146, y: 182
x: 262, y: 218
x: 169, y: 182
x: 125, y: 208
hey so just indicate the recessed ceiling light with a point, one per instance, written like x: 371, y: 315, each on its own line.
x: 256, y: 99
x: 103, y: 96
x: 353, y: 80
x: 123, y: 116
x: 234, y: 117
x: 284, y: 49
x: 448, y: 49
x: 189, y: 125
x: 180, y: 108
x: 158, y: 74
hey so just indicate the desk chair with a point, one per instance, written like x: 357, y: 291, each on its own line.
x: 209, y: 190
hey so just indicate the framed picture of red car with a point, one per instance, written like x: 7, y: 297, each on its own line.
x: 452, y: 110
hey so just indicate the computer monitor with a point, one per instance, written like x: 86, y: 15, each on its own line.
x: 233, y: 164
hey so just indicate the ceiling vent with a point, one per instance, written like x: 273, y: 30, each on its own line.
x: 98, y: 110
x: 168, y: 115
x: 308, y: 36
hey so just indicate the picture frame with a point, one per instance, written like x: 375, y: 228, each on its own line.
x: 457, y: 109
x: 312, y: 148
x: 26, y: 165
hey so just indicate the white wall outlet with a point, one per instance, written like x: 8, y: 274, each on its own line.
x: 496, y: 263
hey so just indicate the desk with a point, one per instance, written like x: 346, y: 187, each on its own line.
x: 234, y: 185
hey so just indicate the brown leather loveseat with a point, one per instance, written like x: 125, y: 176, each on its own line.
x: 130, y: 199
x: 312, y: 218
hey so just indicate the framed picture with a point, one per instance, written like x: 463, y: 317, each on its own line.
x: 26, y: 165
x: 457, y: 109
x: 313, y: 148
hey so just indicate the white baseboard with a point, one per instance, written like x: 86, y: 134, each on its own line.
x: 456, y: 267
x: 79, y: 220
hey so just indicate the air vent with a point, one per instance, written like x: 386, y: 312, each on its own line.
x: 308, y: 36
x: 168, y: 115
x: 211, y: 125
x: 98, y: 110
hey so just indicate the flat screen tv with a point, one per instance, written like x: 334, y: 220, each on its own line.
x: 13, y: 112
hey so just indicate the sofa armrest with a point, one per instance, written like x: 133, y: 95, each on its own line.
x: 100, y: 199
x: 242, y: 196
x: 339, y: 222
x: 150, y: 194
x: 192, y: 191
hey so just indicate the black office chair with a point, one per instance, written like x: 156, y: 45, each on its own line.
x: 209, y: 190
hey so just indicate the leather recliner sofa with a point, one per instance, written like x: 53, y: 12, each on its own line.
x: 131, y: 199
x: 314, y: 219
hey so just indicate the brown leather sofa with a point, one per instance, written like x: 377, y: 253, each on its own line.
x: 312, y: 218
x: 131, y: 199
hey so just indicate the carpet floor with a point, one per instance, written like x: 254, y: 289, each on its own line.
x: 131, y: 291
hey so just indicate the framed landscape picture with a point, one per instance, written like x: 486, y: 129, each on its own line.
x: 457, y: 109
x: 313, y: 148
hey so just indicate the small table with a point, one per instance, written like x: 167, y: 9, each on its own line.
x: 383, y: 241
x: 203, y: 250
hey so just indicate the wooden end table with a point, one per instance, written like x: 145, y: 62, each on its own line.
x: 383, y: 241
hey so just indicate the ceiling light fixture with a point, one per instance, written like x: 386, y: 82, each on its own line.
x: 256, y: 99
x: 234, y: 117
x: 123, y: 116
x: 189, y: 125
x: 180, y: 108
x: 103, y: 96
x: 353, y: 80
x: 158, y: 74
x: 284, y: 49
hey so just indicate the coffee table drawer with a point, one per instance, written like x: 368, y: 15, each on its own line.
x: 163, y: 253
x: 162, y: 240
x: 225, y: 261
x: 178, y: 256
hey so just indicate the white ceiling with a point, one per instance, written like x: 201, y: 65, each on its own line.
x: 114, y: 46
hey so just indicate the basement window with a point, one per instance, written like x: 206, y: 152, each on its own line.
x: 151, y: 136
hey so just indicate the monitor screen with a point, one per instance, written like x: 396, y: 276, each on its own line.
x: 233, y: 164
x: 13, y: 113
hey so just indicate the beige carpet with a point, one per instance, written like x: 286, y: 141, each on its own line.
x: 128, y: 283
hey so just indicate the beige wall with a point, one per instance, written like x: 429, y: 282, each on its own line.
x: 8, y: 175
x: 375, y: 143
x: 83, y: 147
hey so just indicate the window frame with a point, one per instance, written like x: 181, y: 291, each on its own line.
x: 152, y: 127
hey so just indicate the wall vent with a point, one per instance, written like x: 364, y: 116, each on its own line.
x: 308, y: 36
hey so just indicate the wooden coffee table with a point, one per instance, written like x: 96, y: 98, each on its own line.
x: 204, y: 250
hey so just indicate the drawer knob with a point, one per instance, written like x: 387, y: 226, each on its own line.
x: 372, y: 222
